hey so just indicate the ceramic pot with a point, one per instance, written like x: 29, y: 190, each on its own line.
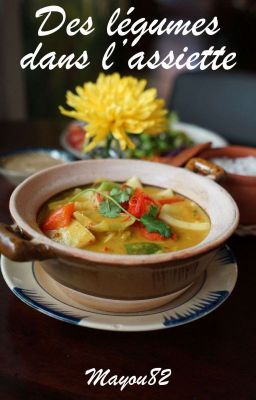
x: 113, y: 276
x: 242, y: 188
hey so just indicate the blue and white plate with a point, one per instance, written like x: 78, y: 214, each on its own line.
x: 208, y: 293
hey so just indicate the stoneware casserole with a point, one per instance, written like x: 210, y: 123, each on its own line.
x: 109, y: 276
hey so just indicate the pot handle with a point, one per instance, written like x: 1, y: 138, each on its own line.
x: 18, y: 248
x: 205, y: 168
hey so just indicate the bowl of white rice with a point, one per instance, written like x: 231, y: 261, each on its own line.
x: 239, y: 163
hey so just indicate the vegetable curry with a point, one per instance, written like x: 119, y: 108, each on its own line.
x: 126, y: 218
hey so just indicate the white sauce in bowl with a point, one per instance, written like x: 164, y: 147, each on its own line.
x: 30, y: 162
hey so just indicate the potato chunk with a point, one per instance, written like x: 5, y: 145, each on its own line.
x: 81, y: 217
x: 134, y: 182
x: 75, y: 235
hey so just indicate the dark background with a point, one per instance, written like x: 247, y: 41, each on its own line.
x: 41, y: 358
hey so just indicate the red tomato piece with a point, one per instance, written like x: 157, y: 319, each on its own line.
x: 76, y: 135
x: 59, y: 218
x: 140, y: 203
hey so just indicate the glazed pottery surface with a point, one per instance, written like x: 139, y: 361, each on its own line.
x: 116, y: 276
x: 242, y: 188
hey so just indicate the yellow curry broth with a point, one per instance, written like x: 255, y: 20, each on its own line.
x: 185, y: 210
x: 115, y: 241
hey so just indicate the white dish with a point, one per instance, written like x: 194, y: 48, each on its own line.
x: 204, y: 296
x: 200, y: 135
x: 16, y: 177
x: 196, y: 133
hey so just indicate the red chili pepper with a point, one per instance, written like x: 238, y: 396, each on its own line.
x: 59, y: 218
x: 140, y: 203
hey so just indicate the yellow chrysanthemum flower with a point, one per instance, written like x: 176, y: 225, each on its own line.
x: 119, y: 106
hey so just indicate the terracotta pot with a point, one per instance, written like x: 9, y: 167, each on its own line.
x: 242, y: 188
x: 113, y: 276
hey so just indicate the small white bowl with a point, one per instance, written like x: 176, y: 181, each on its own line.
x: 16, y: 177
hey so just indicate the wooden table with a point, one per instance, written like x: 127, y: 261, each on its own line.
x: 42, y: 358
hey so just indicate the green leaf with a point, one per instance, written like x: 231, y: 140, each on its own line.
x: 109, y: 209
x: 154, y: 224
x: 121, y: 195
x: 142, y: 248
x: 153, y: 211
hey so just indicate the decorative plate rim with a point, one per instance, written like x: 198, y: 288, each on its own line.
x: 221, y: 277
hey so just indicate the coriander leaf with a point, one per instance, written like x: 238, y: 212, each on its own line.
x: 154, y: 224
x: 153, y: 211
x: 142, y: 248
x: 121, y: 195
x: 109, y: 209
